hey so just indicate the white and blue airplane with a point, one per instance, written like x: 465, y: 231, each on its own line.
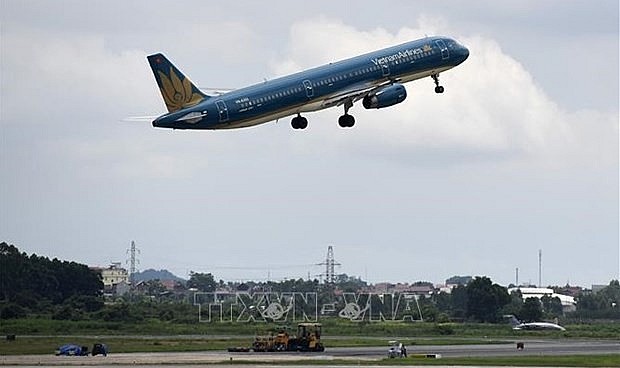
x: 518, y: 325
x: 375, y: 78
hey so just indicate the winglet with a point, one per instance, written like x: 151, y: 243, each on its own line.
x: 176, y: 89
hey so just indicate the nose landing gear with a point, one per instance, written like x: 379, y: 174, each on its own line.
x: 438, y: 88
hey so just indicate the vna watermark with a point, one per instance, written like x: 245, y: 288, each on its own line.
x: 304, y: 307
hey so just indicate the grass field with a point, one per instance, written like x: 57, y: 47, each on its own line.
x: 331, y: 327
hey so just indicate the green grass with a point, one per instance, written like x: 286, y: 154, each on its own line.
x: 331, y: 327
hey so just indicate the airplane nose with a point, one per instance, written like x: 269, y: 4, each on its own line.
x: 465, y: 53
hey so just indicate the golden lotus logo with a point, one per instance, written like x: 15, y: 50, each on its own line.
x: 177, y: 94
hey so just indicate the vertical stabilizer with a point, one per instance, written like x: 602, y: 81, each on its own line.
x: 514, y: 322
x: 176, y: 89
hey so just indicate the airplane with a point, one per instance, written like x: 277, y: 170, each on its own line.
x: 375, y: 78
x: 518, y: 325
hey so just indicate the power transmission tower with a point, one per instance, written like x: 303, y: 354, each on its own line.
x: 133, y: 260
x: 330, y: 274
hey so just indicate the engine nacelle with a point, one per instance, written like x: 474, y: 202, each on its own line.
x: 384, y: 97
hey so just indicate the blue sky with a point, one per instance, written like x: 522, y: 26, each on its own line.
x: 519, y: 154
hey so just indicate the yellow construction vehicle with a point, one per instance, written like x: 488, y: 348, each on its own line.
x: 308, y: 338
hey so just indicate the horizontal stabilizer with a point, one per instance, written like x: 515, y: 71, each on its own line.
x: 139, y: 119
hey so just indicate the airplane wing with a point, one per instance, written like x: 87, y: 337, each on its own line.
x: 354, y: 93
x: 215, y: 91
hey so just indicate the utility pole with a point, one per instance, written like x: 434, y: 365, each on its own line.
x: 517, y: 277
x: 540, y: 268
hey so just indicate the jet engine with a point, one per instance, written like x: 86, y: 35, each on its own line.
x: 386, y: 96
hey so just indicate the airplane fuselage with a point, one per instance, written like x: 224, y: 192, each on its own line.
x: 362, y: 77
x: 538, y: 326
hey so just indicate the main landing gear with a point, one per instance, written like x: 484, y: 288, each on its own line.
x: 438, y: 88
x: 346, y: 120
x: 299, y: 122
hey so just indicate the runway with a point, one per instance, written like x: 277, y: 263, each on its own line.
x: 355, y: 355
x: 532, y: 347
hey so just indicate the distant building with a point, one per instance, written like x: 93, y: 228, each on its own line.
x: 445, y: 288
x: 113, y: 276
x: 404, y: 288
x: 597, y: 288
x: 573, y: 291
x: 455, y: 281
x: 568, y: 302
x: 121, y: 288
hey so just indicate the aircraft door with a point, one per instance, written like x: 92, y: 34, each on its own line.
x: 385, y: 69
x: 223, y: 110
x: 445, y: 53
x: 309, y: 89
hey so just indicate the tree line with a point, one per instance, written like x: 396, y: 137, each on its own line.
x: 37, y: 286
x: 31, y: 284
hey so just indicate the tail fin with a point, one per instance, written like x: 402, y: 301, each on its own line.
x: 513, y: 320
x: 178, y: 92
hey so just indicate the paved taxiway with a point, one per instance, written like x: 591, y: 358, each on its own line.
x: 532, y: 347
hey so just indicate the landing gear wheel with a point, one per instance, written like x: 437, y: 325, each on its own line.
x: 346, y: 121
x: 303, y: 123
x: 299, y: 122
x: 438, y: 88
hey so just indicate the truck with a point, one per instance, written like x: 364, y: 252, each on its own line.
x: 308, y: 338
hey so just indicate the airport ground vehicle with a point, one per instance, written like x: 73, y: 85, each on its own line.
x: 72, y: 350
x: 79, y: 350
x: 396, y: 350
x: 99, y: 348
x: 308, y: 338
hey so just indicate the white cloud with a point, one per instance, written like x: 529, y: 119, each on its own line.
x: 128, y: 157
x: 70, y: 75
